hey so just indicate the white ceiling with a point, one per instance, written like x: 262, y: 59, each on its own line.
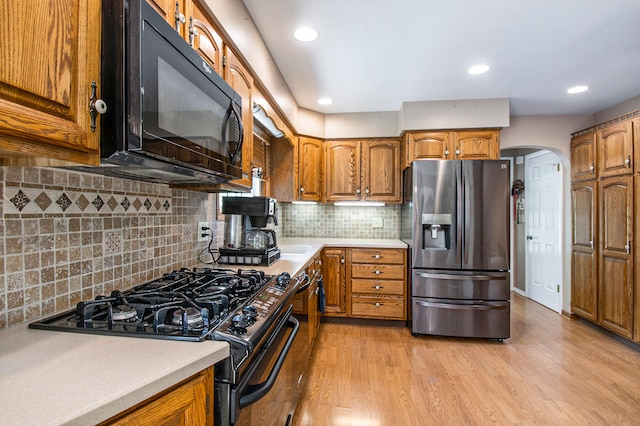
x: 372, y: 55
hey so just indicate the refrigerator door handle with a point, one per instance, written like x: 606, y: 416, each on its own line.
x: 462, y: 307
x: 461, y: 277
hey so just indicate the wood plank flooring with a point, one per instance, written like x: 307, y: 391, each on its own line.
x: 551, y: 371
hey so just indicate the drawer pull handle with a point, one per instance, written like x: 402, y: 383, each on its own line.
x: 377, y: 256
x: 378, y: 304
x: 378, y: 272
x: 377, y: 287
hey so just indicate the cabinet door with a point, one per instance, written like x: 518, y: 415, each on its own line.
x: 189, y: 403
x: 342, y: 170
x: 239, y: 78
x: 204, y: 38
x: 174, y: 12
x: 310, y: 164
x: 615, y: 150
x: 477, y: 145
x: 583, y: 157
x: 333, y: 267
x: 49, y: 57
x: 381, y: 164
x: 584, y: 273
x: 431, y: 145
x: 615, y: 284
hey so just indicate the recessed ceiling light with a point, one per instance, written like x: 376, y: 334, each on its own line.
x: 305, y: 34
x: 325, y: 101
x: 577, y: 89
x: 478, y: 69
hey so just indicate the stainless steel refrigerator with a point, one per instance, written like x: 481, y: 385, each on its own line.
x: 455, y: 218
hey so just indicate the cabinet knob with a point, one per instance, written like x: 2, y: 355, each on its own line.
x: 366, y: 191
x: 592, y: 167
x: 378, y: 304
x: 446, y: 153
x: 378, y: 272
x: 193, y: 32
x: 179, y: 17
x: 96, y: 106
x: 301, y: 189
x: 377, y: 287
x: 358, y: 191
x: 457, y: 151
x: 377, y: 256
x: 342, y: 261
x: 627, y: 161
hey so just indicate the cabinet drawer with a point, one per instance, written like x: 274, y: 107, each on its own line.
x: 384, y: 272
x: 377, y: 307
x: 376, y: 256
x: 395, y: 287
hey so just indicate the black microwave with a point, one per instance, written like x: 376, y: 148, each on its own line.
x: 170, y: 117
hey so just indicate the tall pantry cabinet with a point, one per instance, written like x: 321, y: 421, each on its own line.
x: 604, y: 289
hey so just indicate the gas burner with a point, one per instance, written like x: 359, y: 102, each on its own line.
x: 193, y: 315
x: 124, y: 313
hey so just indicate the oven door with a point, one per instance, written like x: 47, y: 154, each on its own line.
x: 269, y: 389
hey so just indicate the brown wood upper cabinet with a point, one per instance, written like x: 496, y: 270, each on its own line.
x: 49, y: 58
x: 583, y: 157
x: 366, y: 170
x: 310, y: 169
x: 451, y: 145
x: 615, y: 149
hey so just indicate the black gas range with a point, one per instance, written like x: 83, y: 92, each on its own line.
x: 246, y: 308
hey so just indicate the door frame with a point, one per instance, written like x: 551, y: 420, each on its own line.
x: 561, y: 226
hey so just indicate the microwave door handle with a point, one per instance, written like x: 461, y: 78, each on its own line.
x: 233, y: 156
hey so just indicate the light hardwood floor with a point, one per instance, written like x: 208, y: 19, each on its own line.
x: 551, y: 371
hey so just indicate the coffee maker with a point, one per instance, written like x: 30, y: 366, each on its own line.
x: 247, y: 240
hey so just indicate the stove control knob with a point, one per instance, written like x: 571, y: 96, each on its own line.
x: 239, y: 324
x: 250, y: 314
x: 283, y: 279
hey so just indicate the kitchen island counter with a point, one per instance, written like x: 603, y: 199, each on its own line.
x: 56, y: 378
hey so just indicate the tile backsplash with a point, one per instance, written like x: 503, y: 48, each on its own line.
x: 67, y: 236
x: 327, y: 220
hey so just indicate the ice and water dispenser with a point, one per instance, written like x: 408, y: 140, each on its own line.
x: 436, y: 231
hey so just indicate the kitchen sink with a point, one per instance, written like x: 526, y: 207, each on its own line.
x: 294, y: 249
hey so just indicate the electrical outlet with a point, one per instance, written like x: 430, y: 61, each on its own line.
x: 376, y: 222
x: 203, y: 231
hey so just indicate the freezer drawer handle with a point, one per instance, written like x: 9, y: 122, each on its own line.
x: 463, y: 277
x: 462, y: 307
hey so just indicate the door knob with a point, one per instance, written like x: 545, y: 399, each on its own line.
x: 529, y: 237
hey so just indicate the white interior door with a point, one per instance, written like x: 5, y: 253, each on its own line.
x: 543, y: 219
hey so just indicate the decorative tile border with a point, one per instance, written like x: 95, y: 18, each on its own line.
x: 27, y: 200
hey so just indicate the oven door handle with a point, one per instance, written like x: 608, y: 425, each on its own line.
x: 255, y: 392
x: 303, y: 287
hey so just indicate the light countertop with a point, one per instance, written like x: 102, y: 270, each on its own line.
x: 297, y: 252
x: 59, y: 378
x: 55, y: 378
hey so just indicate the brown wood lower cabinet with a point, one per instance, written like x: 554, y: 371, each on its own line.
x: 189, y: 403
x: 333, y: 268
x: 377, y: 283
